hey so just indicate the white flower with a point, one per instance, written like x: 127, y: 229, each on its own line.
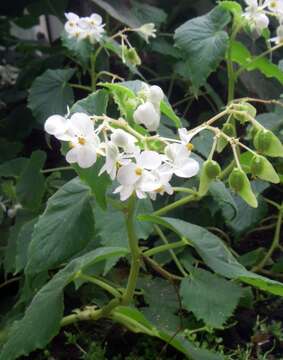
x: 279, y: 38
x: 147, y: 30
x: 178, y: 157
x: 71, y: 26
x: 57, y: 125
x: 124, y: 140
x: 147, y: 115
x: 155, y: 95
x: 276, y: 6
x: 83, y: 141
x: 137, y: 176
x: 254, y: 13
x: 162, y: 177
x: 113, y: 159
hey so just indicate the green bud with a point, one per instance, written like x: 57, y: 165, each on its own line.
x: 239, y: 183
x: 262, y: 168
x: 267, y: 143
x: 132, y: 57
x: 210, y: 171
x: 248, y: 109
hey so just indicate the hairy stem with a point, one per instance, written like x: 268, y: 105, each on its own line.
x: 135, y: 253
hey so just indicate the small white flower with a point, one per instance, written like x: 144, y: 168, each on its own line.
x: 124, y: 140
x: 147, y: 115
x: 113, y: 159
x: 147, y: 30
x: 83, y: 141
x: 255, y: 15
x: 162, y: 177
x: 178, y: 157
x: 155, y: 95
x: 137, y: 176
x: 58, y: 126
x: 275, y: 6
x: 71, y: 26
x: 279, y: 38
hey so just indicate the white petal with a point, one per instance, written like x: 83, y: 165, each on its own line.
x: 71, y: 16
x: 147, y: 115
x: 155, y: 94
x: 149, y: 160
x: 86, y: 156
x: 96, y: 18
x: 72, y: 156
x: 123, y: 139
x: 125, y: 192
x: 189, y: 168
x: 82, y: 124
x: 127, y: 174
x: 56, y: 125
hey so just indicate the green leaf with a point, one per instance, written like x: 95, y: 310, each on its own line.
x: 13, y: 168
x: 133, y: 319
x: 235, y: 8
x: 64, y: 229
x: 210, y: 297
x: 97, y: 183
x: 157, y: 290
x: 204, y: 43
x: 31, y: 184
x: 224, y: 199
x: 215, y: 254
x: 80, y: 50
x: 42, y: 318
x: 242, y: 56
x: 50, y: 94
x: 94, y: 104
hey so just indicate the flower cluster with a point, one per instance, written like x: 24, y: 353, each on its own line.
x: 257, y: 13
x: 90, y: 27
x: 127, y: 159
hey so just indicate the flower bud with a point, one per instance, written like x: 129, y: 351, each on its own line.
x: 262, y: 168
x: 155, y: 94
x: 210, y: 171
x: 146, y: 115
x: 239, y: 183
x: 248, y: 109
x: 267, y: 143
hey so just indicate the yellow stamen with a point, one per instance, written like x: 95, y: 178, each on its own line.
x: 160, y: 189
x: 81, y: 140
x: 71, y: 145
x: 190, y: 146
x: 138, y: 171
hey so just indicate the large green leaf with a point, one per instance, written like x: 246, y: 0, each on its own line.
x: 136, y: 322
x: 31, y: 183
x: 210, y: 297
x: 41, y: 321
x: 215, y: 254
x: 50, y: 94
x: 242, y: 56
x: 64, y: 229
x: 94, y: 104
x: 204, y: 43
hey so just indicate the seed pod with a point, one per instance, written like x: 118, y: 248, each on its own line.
x: 262, y: 168
x: 267, y: 143
x: 210, y: 171
x: 239, y: 182
x: 132, y: 56
x: 229, y: 130
x: 248, y: 109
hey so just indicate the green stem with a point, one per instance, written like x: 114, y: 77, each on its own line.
x: 104, y: 285
x: 176, y: 204
x: 170, y: 248
x: 160, y: 270
x: 274, y: 244
x: 82, y: 87
x: 63, y: 168
x: 232, y: 77
x: 227, y: 170
x: 135, y: 253
x: 165, y: 247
